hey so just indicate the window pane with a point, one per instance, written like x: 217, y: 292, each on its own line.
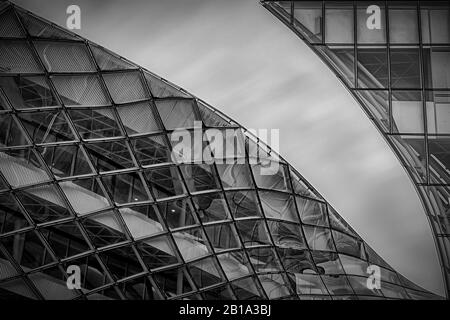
x: 319, y: 238
x: 178, y: 213
x: 405, y: 68
x: 165, y: 182
x: 412, y: 150
x: 278, y: 205
x: 243, y: 204
x: 17, y: 57
x: 372, y: 68
x: 403, y: 26
x: 371, y: 22
x: 125, y: 188
x: 339, y: 25
x: 312, y: 212
x: 438, y: 112
x: 308, y: 18
x: 138, y: 118
x: 125, y: 87
x: 80, y: 90
x: 436, y: 25
x: 234, y: 175
x: 177, y: 113
x: 407, y: 112
x: 437, y: 70
x: 64, y: 57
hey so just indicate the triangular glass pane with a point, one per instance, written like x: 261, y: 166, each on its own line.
x: 125, y: 188
x: 10, y: 133
x: 151, y: 150
x: 8, y: 270
x: 47, y: 126
x: 43, y: 204
x: 177, y: 114
x: 11, y: 216
x: 66, y: 239
x: 28, y: 92
x: 27, y: 249
x: 178, y: 213
x: 138, y: 118
x: 121, y: 263
x: 76, y: 90
x: 158, y: 252
x: 412, y: 150
x: 173, y: 282
x: 21, y: 167
x: 109, y: 61
x: 65, y: 161
x: 42, y: 29
x: 85, y: 195
x: 104, y: 229
x: 125, y: 87
x: 161, y: 89
x: 110, y: 156
x: 211, y: 118
x: 301, y: 188
x: 17, y: 57
x: 10, y: 26
x: 95, y: 123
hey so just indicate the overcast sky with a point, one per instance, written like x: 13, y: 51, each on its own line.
x: 239, y: 58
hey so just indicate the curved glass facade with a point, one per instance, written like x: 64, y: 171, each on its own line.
x: 89, y: 183
x: 394, y: 57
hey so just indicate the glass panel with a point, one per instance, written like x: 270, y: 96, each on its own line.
x: 308, y: 18
x: 200, y: 177
x: 343, y: 59
x: 107, y: 60
x: 327, y: 263
x: 403, y: 25
x: 275, y: 285
x: 142, y: 221
x: 80, y: 90
x: 278, y: 205
x: 178, y: 213
x: 437, y: 68
x: 337, y: 285
x: 192, y: 244
x: 246, y: 289
x: 28, y: 92
x: 43, y: 204
x: 235, y: 264
x: 65, y: 161
x: 405, y: 68
x: 439, y: 157
x: 64, y: 56
x: 407, y: 112
x: 371, y: 25
x: 11, y: 216
x: 222, y: 237
x: 177, y: 113
x: 435, y: 24
x: 85, y: 195
x: 39, y: 28
x: 138, y: 118
x: 95, y: 123
x: 173, y: 282
x: 438, y: 112
x: 158, y: 252
x: 300, y: 186
x: 125, y: 86
x: 47, y: 127
x: 162, y: 89
x: 243, y: 204
x: 125, y: 188
x: 205, y: 273
x: 27, y: 250
x: 211, y: 118
x: 92, y: 273
x: 308, y: 284
x: 10, y: 132
x: 296, y: 261
x: 22, y: 167
x: 121, y: 263
x: 151, y: 150
x: 104, y: 229
x: 264, y: 260
x: 318, y: 238
x: 359, y: 285
x: 354, y: 265
x: 253, y: 232
x: 138, y: 289
x: 312, y: 212
x: 10, y: 26
x: 286, y: 235
x: 66, y: 240
x: 349, y: 245
x: 165, y: 182
x: 234, y: 175
x: 17, y: 57
x: 338, y: 24
x: 220, y: 293
x: 372, y: 67
x: 276, y: 181
x: 211, y: 207
x: 109, y: 156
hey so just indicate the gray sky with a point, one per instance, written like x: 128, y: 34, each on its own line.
x: 239, y: 58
